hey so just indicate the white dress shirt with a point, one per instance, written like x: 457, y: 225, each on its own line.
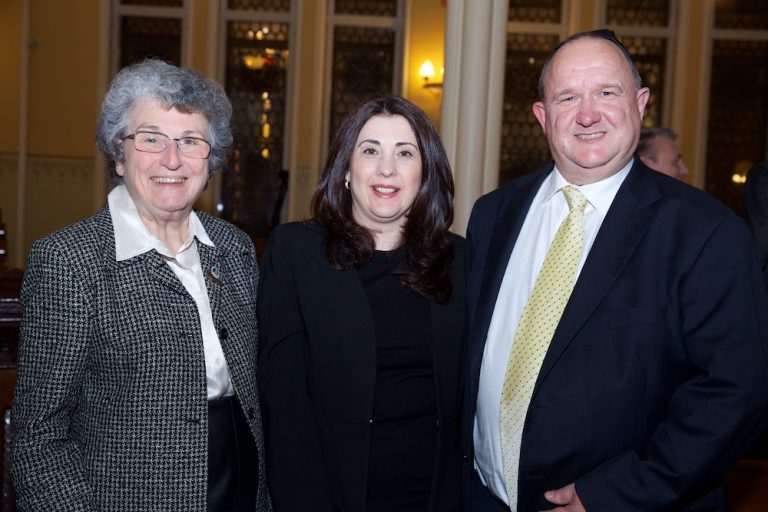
x: 548, y: 210
x: 133, y: 238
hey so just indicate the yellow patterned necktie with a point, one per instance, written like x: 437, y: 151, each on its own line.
x: 534, y: 332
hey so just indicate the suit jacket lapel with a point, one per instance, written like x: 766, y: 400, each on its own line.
x: 624, y: 226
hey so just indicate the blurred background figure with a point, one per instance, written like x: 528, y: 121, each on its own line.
x: 136, y: 384
x: 756, y: 211
x: 658, y: 150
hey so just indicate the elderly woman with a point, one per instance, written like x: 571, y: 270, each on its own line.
x: 362, y: 322
x: 137, y: 360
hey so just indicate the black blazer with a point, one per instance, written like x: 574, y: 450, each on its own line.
x: 317, y: 369
x: 656, y: 378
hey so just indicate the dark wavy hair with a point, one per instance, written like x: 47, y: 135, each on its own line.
x: 428, y: 251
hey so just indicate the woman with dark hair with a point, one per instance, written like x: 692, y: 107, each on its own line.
x: 136, y: 384
x: 361, y: 320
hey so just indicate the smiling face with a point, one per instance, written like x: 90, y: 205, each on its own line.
x: 591, y: 113
x: 164, y: 185
x: 384, y: 174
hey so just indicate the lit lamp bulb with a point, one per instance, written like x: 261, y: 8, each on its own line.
x: 427, y: 70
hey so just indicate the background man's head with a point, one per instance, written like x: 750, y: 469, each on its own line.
x: 658, y: 150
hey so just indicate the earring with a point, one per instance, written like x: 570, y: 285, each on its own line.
x: 346, y: 184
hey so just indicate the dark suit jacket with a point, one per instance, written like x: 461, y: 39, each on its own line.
x: 110, y: 409
x: 656, y: 379
x: 756, y: 209
x: 317, y: 369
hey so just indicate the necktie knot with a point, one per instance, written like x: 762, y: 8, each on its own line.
x: 576, y: 200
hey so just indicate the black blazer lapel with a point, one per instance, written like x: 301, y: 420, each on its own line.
x: 624, y: 226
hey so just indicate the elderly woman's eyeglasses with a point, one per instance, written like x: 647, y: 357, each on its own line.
x: 154, y: 142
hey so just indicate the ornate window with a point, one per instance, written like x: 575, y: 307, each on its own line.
x: 365, y: 54
x: 647, y: 30
x: 534, y: 29
x: 738, y: 97
x: 146, y: 28
x: 256, y: 61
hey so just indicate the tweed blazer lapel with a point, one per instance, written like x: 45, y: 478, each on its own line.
x: 231, y: 275
x: 150, y: 262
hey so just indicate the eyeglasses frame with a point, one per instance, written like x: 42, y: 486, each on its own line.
x: 176, y: 140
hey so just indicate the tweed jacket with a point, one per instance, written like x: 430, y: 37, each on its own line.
x: 110, y: 409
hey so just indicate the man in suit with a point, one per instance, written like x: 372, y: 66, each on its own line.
x: 653, y: 378
x: 658, y: 150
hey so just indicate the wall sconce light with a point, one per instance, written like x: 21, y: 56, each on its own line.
x: 427, y: 72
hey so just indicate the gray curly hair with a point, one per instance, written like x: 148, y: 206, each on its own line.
x: 179, y: 88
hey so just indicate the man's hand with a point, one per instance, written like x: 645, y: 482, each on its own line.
x: 567, y: 498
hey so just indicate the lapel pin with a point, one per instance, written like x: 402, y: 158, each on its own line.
x: 215, y: 273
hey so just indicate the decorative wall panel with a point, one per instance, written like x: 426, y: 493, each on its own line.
x: 738, y: 119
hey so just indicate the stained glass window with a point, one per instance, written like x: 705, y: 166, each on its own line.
x: 154, y: 3
x: 366, y: 7
x: 524, y: 147
x: 738, y: 116
x: 741, y: 14
x: 260, y: 5
x: 650, y: 56
x: 256, y: 80
x: 142, y: 37
x: 363, y: 68
x: 535, y: 11
x: 638, y: 13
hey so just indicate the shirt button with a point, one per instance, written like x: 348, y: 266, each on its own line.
x: 223, y: 333
x: 251, y: 413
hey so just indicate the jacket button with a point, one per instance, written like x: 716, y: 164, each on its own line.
x: 223, y: 333
x: 251, y: 413
x: 465, y: 457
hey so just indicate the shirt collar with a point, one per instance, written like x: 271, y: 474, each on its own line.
x: 132, y: 237
x: 599, y: 194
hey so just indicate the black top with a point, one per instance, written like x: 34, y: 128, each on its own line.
x: 317, y: 376
x: 404, y: 420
